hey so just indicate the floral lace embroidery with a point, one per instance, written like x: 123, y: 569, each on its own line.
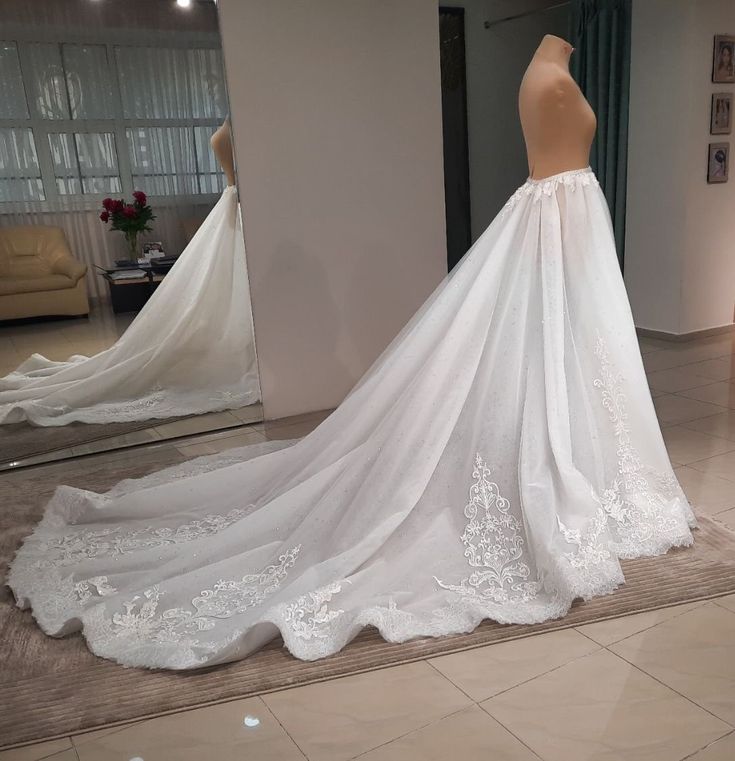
x: 75, y: 547
x: 308, y: 616
x: 96, y: 585
x: 645, y: 521
x: 589, y: 552
x: 493, y: 542
x: 537, y: 189
x: 142, y: 620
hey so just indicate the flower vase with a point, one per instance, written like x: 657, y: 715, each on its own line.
x: 131, y: 238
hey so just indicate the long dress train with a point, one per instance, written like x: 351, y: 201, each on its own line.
x: 190, y: 350
x: 495, y: 462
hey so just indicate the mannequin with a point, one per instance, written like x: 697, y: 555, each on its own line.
x: 558, y: 124
x: 221, y: 142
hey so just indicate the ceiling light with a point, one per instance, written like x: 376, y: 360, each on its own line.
x: 183, y: 3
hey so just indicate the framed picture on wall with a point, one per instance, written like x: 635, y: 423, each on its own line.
x: 718, y: 162
x: 723, y: 58
x: 721, y: 118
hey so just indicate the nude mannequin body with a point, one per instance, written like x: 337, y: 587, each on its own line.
x: 221, y: 143
x: 558, y: 124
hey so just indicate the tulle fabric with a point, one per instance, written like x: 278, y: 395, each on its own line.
x: 495, y: 463
x: 190, y: 349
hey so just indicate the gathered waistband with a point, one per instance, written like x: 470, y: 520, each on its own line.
x: 559, y: 176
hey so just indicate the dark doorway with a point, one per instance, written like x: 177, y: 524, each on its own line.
x: 454, y: 120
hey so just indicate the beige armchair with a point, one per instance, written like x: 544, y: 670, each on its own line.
x: 38, y: 274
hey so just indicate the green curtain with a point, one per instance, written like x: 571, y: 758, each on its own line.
x: 600, y: 32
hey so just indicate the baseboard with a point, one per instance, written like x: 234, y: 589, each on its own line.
x: 683, y: 337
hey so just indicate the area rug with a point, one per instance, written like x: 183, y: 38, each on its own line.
x: 54, y: 687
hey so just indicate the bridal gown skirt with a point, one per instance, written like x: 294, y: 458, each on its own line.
x: 190, y: 350
x: 495, y: 463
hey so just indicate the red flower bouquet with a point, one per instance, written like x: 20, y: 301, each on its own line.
x: 130, y: 218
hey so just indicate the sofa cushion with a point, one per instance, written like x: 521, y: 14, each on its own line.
x: 11, y: 285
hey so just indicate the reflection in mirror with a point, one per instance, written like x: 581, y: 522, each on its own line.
x: 124, y: 300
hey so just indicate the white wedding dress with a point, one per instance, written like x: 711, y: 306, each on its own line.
x: 495, y: 463
x: 190, y: 350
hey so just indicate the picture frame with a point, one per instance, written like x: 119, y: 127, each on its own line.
x: 721, y: 116
x: 718, y: 162
x: 723, y: 58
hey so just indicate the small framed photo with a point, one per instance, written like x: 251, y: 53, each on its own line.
x: 721, y: 119
x: 723, y: 58
x: 718, y: 162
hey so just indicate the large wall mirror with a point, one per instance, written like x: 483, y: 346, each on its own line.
x: 124, y: 300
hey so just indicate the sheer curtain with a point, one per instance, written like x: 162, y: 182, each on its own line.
x: 103, y: 112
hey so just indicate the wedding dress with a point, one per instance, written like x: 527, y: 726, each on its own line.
x: 496, y: 462
x: 190, y: 350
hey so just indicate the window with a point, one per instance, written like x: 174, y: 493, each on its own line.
x: 90, y: 120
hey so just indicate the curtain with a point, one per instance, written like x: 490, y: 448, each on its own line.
x: 600, y: 32
x: 93, y: 111
x: 454, y: 123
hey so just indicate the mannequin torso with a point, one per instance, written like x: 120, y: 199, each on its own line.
x: 558, y: 123
x: 222, y: 146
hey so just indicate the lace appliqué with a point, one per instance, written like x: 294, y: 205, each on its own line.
x: 590, y: 551
x: 309, y: 616
x: 537, y: 189
x: 98, y: 585
x: 493, y: 543
x: 143, y: 621
x: 112, y: 542
x: 638, y: 511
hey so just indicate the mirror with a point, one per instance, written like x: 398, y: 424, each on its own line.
x: 124, y: 299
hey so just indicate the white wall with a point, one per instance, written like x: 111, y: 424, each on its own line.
x: 496, y: 61
x: 336, y: 112
x: 680, y: 238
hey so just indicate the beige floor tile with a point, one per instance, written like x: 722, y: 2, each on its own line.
x: 197, y: 424
x: 648, y: 345
x: 607, y: 632
x: 196, y: 450
x: 722, y: 424
x: 720, y: 750
x: 716, y: 369
x: 664, y: 359
x: 306, y: 417
x: 685, y: 445
x: 241, y: 439
x: 486, y: 671
x: 215, y: 733
x: 721, y: 466
x: 672, y: 409
x: 470, y: 735
x: 143, y: 436
x: 253, y: 413
x: 98, y: 734
x: 276, y: 433
x: 340, y: 719
x: 722, y: 393
x: 693, y: 654
x: 41, y: 751
x: 600, y: 708
x: 676, y: 379
x: 728, y: 601
x: 708, y: 494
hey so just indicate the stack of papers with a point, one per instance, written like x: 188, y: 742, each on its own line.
x: 126, y: 274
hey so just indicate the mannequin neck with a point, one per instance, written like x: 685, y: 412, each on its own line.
x: 554, y: 50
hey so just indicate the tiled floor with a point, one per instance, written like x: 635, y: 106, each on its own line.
x: 60, y: 339
x: 656, y: 686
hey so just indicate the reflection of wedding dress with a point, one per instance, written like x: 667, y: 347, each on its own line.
x: 495, y: 462
x: 190, y: 349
